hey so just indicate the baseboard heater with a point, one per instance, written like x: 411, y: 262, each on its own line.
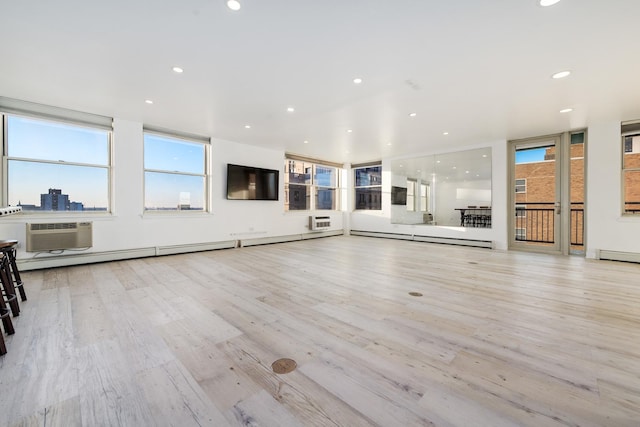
x: 55, y: 236
x: 290, y: 238
x: 618, y: 256
x: 488, y: 244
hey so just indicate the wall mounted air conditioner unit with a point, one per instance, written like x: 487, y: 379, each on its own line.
x: 319, y: 223
x: 59, y: 235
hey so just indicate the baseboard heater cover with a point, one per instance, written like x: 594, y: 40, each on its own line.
x: 618, y: 256
x: 51, y: 261
x: 290, y: 238
x: 488, y: 244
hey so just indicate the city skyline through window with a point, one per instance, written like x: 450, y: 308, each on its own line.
x: 43, y: 155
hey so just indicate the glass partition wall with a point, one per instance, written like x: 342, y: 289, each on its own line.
x: 451, y: 189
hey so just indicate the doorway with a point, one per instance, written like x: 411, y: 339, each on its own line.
x: 547, y: 196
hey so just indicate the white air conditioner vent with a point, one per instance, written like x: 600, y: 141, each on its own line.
x: 318, y: 223
x: 58, y: 236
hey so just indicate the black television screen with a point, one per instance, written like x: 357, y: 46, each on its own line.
x: 249, y: 183
x: 398, y: 196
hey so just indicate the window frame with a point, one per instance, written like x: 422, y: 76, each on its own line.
x: 312, y: 187
x: 424, y: 198
x: 635, y: 133
x: 411, y: 195
x: 376, y: 186
x: 181, y: 138
x: 523, y: 185
x: 56, y: 116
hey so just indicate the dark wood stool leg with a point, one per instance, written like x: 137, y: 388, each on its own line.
x: 3, y: 348
x: 16, y: 274
x: 8, y: 288
x: 6, y: 319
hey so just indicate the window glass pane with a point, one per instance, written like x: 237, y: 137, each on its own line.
x: 632, y: 191
x: 325, y: 176
x: 423, y: 197
x: 168, y: 191
x: 369, y: 198
x: 326, y: 199
x: 369, y: 176
x: 411, y: 191
x: 298, y: 172
x: 632, y: 152
x: 48, y: 186
x: 39, y: 139
x: 297, y: 197
x: 174, y: 155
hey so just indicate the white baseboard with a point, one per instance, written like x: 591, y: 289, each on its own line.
x: 428, y: 239
x: 290, y: 238
x: 50, y: 261
x: 617, y: 256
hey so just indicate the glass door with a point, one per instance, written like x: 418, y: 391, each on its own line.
x: 535, y: 196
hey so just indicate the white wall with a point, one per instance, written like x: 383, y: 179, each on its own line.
x: 128, y: 227
x: 380, y: 221
x: 606, y: 228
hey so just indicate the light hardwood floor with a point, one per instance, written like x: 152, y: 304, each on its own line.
x: 496, y: 339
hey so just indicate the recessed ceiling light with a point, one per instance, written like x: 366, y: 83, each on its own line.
x: 401, y: 166
x: 546, y: 3
x: 466, y: 171
x: 566, y: 110
x: 290, y: 109
x: 412, y: 114
x: 349, y: 130
x: 484, y: 155
x: 233, y: 5
x: 177, y: 70
x: 437, y: 161
x: 454, y: 167
x: 247, y: 126
x: 148, y: 101
x: 561, y: 74
x: 306, y: 142
x: 445, y: 133
x: 357, y: 80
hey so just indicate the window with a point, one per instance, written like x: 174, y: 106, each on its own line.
x: 424, y: 197
x: 310, y: 186
x: 174, y: 173
x: 631, y: 172
x: 521, y: 185
x: 56, y: 165
x: 521, y: 211
x: 521, y: 234
x: 368, y: 188
x: 411, y: 195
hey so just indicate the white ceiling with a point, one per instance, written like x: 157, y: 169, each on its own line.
x: 477, y: 69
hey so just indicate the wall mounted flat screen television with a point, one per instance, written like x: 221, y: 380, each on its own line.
x: 398, y: 196
x: 250, y: 183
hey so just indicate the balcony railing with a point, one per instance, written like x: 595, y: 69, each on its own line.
x: 535, y: 222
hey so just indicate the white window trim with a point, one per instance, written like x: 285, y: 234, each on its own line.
x: 45, y: 113
x: 187, y: 138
